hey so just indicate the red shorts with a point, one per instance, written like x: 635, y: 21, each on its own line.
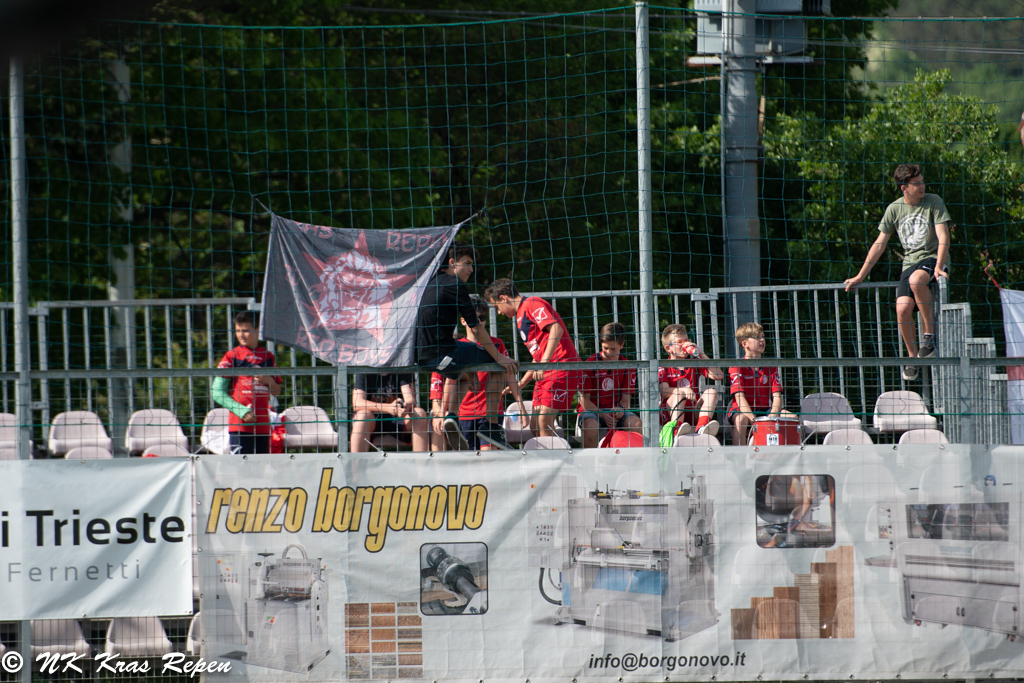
x: 557, y: 389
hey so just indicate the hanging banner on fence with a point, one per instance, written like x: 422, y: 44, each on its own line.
x: 97, y: 538
x: 777, y: 563
x: 1013, y: 327
x: 349, y: 297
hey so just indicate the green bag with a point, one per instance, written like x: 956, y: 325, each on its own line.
x: 668, y: 433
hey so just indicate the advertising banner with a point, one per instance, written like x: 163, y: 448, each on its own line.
x: 96, y: 538
x: 614, y: 565
x: 349, y: 296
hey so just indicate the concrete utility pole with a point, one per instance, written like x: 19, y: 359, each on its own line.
x: 741, y: 227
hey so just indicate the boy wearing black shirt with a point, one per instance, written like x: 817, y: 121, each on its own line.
x: 445, y: 300
x: 385, y: 405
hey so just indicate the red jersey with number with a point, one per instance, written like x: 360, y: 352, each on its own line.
x: 534, y: 319
x: 757, y: 384
x: 247, y: 391
x: 606, y: 387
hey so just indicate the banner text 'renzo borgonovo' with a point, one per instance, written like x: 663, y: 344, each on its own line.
x: 398, y: 508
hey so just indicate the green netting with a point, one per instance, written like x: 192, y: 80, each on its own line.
x: 150, y: 144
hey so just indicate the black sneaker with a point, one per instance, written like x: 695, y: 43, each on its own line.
x: 910, y: 372
x: 494, y: 434
x: 453, y: 432
x: 927, y: 350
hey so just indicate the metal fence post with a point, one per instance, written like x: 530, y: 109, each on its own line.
x: 341, y: 407
x: 647, y: 350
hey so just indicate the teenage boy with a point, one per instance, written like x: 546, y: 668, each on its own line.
x: 385, y: 406
x: 755, y: 391
x: 247, y: 398
x: 445, y: 301
x: 920, y: 219
x: 473, y: 409
x: 607, y: 393
x: 545, y: 335
x: 679, y: 386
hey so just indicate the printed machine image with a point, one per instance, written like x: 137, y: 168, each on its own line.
x: 959, y: 562
x: 281, y: 622
x: 637, y: 562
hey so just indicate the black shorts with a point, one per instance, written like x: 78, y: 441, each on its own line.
x: 904, y: 287
x: 469, y: 430
x: 247, y: 443
x: 465, y: 354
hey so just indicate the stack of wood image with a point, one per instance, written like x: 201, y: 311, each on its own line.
x: 817, y: 605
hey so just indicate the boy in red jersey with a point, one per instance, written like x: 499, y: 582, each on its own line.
x: 548, y: 341
x: 755, y: 391
x: 248, y: 398
x: 679, y: 386
x: 606, y: 395
x: 473, y: 409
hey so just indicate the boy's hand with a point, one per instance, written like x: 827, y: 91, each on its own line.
x: 854, y: 281
x: 249, y: 417
x: 688, y: 393
x: 715, y: 374
x: 939, y: 272
x: 437, y: 424
x: 509, y: 364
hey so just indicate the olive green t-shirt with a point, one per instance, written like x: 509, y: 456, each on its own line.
x: 915, y: 226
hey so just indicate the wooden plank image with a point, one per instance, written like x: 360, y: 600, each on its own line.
x: 819, y: 604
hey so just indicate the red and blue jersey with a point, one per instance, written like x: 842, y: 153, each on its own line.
x: 606, y: 387
x: 247, y: 391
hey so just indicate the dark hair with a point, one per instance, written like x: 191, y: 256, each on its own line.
x: 905, y: 173
x: 613, y: 332
x: 480, y: 306
x: 501, y: 287
x: 245, y: 317
x: 458, y: 250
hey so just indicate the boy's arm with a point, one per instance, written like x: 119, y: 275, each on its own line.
x: 874, y: 253
x: 219, y: 392
x: 360, y: 402
x: 409, y: 398
x: 714, y: 373
x: 484, y: 339
x: 942, y: 232
x: 776, y: 404
x: 741, y: 403
x: 555, y: 333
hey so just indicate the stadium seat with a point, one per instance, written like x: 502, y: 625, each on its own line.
x: 132, y: 637
x: 151, y: 427
x: 695, y: 440
x: 541, y: 443
x: 923, y: 436
x: 901, y: 411
x: 308, y: 427
x: 8, y: 453
x: 826, y: 412
x: 57, y: 636
x: 847, y: 437
x: 88, y: 453
x: 77, y: 428
x: 9, y: 435
x: 165, y: 450
x: 518, y: 431
x: 214, y: 436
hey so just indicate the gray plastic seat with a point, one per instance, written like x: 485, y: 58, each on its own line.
x: 77, y: 428
x: 152, y: 427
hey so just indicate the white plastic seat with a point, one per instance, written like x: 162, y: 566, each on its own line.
x: 901, y: 411
x: 541, y: 443
x: 694, y: 440
x: 517, y: 430
x: 8, y: 453
x: 847, y: 437
x: 308, y: 427
x: 151, y: 427
x: 77, y: 428
x: 923, y: 436
x: 214, y: 436
x: 9, y: 435
x: 826, y: 412
x: 137, y: 637
x: 58, y: 636
x: 165, y: 450
x: 88, y: 453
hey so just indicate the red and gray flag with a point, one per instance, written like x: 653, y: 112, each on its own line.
x: 349, y: 297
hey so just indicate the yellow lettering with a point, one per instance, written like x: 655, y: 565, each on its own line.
x: 270, y: 524
x: 477, y: 506
x: 258, y: 499
x: 417, y: 508
x: 325, y: 501
x: 364, y: 494
x: 343, y: 510
x: 236, y: 513
x: 296, y: 510
x: 456, y: 507
x: 377, y: 524
x: 399, y: 508
x: 435, y: 507
x: 220, y: 498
